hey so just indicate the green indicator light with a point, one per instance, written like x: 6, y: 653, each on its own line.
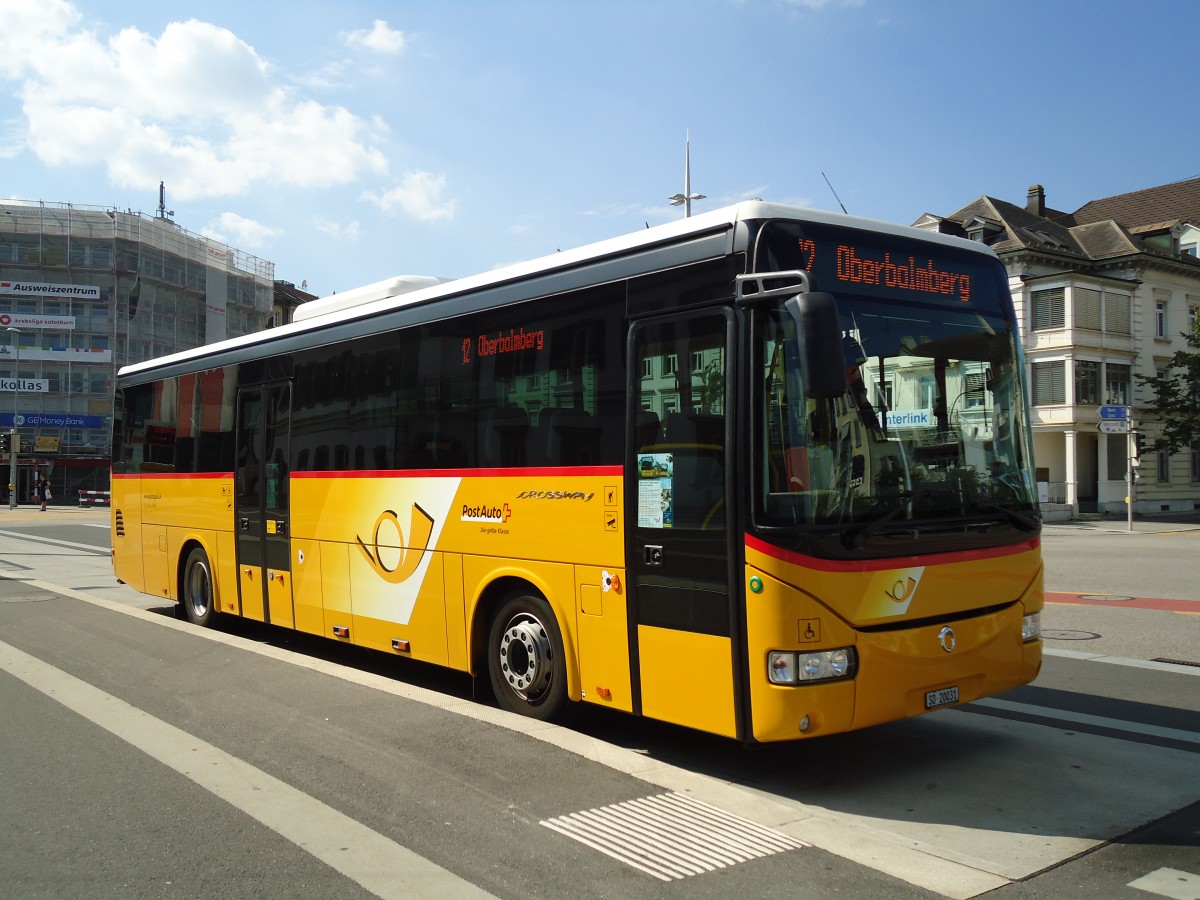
x: 756, y: 585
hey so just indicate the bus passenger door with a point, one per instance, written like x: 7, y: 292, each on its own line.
x: 682, y: 618
x: 262, y: 504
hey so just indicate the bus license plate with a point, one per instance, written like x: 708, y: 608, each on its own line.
x: 942, y: 697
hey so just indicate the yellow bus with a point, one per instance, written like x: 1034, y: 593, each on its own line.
x: 764, y: 472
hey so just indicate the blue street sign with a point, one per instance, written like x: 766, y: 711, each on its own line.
x: 1114, y: 412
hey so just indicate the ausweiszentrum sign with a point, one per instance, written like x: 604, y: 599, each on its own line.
x: 41, y: 289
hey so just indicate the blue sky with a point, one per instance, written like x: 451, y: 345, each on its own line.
x: 348, y: 142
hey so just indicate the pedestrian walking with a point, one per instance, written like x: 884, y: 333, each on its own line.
x: 43, y: 490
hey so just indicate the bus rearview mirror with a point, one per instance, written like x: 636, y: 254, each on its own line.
x: 819, y: 332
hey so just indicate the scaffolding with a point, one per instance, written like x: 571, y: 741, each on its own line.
x: 133, y: 286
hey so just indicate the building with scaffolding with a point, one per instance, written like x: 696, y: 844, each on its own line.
x: 85, y: 290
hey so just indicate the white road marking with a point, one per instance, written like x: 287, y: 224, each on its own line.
x: 672, y: 836
x: 1064, y: 715
x: 1122, y: 661
x: 379, y: 864
x: 38, y: 539
x: 1169, y: 883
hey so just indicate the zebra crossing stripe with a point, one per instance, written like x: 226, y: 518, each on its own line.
x: 671, y: 836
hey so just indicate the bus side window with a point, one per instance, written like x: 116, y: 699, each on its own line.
x: 503, y: 437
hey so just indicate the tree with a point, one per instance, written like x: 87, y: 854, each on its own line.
x: 1176, y: 404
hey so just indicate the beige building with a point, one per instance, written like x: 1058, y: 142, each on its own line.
x: 1104, y: 295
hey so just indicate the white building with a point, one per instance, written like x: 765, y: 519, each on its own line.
x: 1104, y: 295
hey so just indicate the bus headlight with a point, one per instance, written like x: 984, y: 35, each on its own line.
x: 789, y: 667
x: 1031, y: 627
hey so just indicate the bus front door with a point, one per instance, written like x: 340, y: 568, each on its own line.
x: 682, y: 618
x: 261, y: 504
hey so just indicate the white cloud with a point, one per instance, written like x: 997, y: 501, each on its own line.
x: 238, y: 231
x: 345, y: 232
x: 418, y: 195
x: 380, y: 39
x: 195, y: 106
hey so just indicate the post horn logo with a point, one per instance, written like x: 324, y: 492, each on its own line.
x: 903, y: 590
x: 407, y: 554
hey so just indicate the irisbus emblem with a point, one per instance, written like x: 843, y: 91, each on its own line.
x: 397, y: 559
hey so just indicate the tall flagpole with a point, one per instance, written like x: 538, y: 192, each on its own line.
x: 685, y: 199
x: 687, y: 174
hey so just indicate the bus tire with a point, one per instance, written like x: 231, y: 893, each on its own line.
x: 197, y: 595
x: 526, y: 662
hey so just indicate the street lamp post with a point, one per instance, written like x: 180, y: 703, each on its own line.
x: 13, y: 442
x: 685, y: 199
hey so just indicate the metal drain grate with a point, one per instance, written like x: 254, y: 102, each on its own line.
x: 671, y: 836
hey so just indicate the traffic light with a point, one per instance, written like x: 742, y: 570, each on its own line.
x: 1139, y: 444
x: 5, y: 442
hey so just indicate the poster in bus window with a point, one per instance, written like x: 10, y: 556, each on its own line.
x: 655, y: 500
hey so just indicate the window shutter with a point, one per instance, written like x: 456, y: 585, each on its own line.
x: 1116, y: 313
x: 1087, y: 308
x: 1049, y: 383
x: 1048, y: 309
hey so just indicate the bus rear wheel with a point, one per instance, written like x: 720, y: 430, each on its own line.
x: 526, y: 662
x: 197, y: 596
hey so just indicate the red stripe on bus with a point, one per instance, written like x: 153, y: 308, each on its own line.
x: 525, y: 471
x: 177, y: 475
x: 896, y: 562
x: 544, y: 472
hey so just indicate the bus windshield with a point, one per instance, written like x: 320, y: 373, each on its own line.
x: 930, y: 430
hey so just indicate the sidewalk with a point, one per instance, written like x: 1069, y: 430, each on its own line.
x: 30, y: 514
x: 1161, y: 523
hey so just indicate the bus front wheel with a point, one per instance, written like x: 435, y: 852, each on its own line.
x: 526, y: 660
x: 198, y: 589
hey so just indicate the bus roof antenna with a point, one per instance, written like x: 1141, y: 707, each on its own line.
x: 835, y: 196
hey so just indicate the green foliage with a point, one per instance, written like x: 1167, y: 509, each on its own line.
x: 712, y: 387
x: 1176, y: 404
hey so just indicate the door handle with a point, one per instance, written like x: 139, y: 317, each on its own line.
x: 244, y: 524
x: 654, y: 554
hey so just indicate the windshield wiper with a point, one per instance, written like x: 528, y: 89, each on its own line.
x: 1021, y: 520
x: 853, y: 537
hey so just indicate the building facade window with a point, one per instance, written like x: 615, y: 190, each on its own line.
x: 1087, y: 381
x: 1196, y: 461
x: 1049, y: 309
x: 976, y: 390
x: 1163, y: 465
x: 1160, y: 319
x: 1116, y: 384
x: 1117, y: 455
x: 1049, y: 383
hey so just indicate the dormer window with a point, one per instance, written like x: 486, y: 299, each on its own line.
x: 982, y: 229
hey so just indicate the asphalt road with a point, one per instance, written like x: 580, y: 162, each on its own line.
x: 145, y: 758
